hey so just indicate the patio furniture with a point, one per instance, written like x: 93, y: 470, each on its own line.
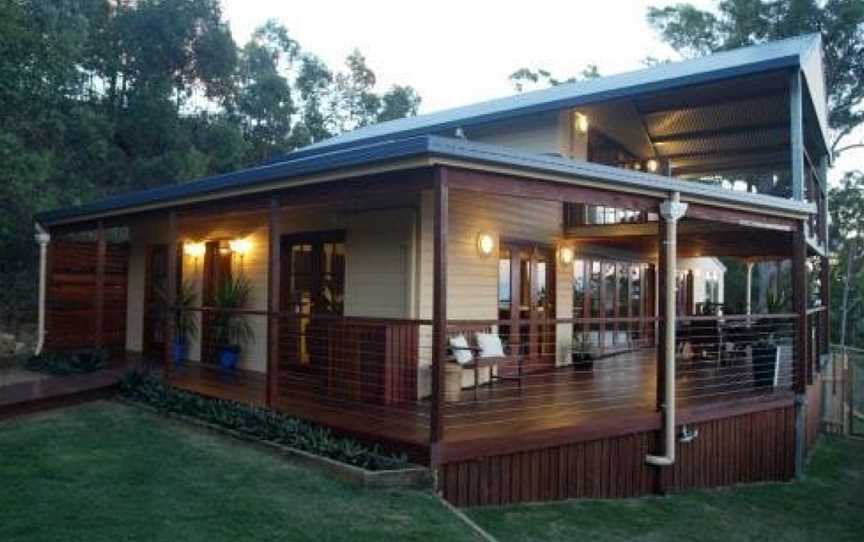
x: 476, y: 349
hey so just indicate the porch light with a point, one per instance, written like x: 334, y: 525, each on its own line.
x: 485, y: 244
x: 580, y: 123
x: 565, y: 255
x: 652, y: 165
x: 194, y: 250
x: 240, y: 246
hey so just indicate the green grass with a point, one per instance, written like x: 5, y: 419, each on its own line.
x: 826, y: 506
x: 105, y: 471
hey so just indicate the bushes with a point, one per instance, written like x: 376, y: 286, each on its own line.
x: 261, y: 423
x: 68, y: 363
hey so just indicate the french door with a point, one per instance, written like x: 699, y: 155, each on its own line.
x: 156, y: 284
x: 313, y: 284
x: 526, y: 302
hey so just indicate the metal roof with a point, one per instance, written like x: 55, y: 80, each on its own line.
x: 414, y: 136
x: 804, y: 52
x: 431, y: 147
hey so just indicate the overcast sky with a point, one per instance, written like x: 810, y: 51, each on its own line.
x: 458, y: 52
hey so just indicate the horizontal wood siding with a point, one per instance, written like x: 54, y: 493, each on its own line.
x: 71, y: 300
x: 753, y: 447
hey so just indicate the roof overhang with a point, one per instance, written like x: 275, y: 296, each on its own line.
x: 412, y: 153
x: 800, y: 53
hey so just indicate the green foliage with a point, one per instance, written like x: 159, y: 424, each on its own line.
x: 737, y: 23
x: 846, y: 238
x: 100, y: 97
x: 261, y: 423
x: 232, y: 328
x: 530, y: 77
x: 187, y: 324
x: 67, y: 363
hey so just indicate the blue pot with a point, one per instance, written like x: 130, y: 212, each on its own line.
x: 228, y: 357
x: 181, y: 352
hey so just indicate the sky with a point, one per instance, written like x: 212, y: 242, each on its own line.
x: 458, y: 52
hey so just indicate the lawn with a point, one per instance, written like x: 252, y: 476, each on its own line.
x: 105, y: 471
x: 826, y: 506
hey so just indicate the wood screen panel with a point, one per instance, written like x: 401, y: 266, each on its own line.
x: 71, y: 296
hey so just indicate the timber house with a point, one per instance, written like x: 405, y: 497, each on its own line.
x: 525, y: 294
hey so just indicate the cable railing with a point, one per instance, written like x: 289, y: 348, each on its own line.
x: 374, y: 375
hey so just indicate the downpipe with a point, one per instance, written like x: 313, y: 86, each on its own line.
x: 42, y: 237
x: 671, y: 210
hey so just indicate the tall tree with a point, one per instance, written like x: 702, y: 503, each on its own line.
x: 104, y: 96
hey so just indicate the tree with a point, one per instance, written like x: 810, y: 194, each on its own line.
x: 100, y: 97
x: 540, y: 77
x: 737, y: 23
x: 847, y: 240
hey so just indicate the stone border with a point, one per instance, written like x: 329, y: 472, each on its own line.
x: 411, y: 477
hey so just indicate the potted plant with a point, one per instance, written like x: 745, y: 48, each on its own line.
x: 232, y: 330
x: 583, y: 357
x: 764, y: 350
x: 186, y: 325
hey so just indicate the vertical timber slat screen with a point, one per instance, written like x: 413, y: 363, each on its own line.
x: 70, y: 305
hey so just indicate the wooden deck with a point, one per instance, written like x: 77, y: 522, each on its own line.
x: 617, y: 395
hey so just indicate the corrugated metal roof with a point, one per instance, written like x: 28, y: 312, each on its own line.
x: 415, y: 147
x: 404, y: 138
x: 797, y: 51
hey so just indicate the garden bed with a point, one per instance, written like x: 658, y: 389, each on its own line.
x: 314, y: 445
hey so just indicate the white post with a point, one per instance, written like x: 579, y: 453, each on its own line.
x: 749, y: 297
x: 42, y: 237
x: 671, y: 210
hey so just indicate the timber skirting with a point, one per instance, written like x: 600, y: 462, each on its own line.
x: 757, y: 446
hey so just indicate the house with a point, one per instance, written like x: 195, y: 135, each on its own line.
x: 522, y: 293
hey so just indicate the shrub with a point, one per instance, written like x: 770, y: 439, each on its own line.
x: 260, y: 423
x: 69, y: 362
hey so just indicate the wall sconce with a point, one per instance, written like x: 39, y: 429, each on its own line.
x: 194, y: 251
x: 485, y: 244
x: 565, y: 255
x: 240, y: 246
x: 580, y: 123
x: 652, y: 165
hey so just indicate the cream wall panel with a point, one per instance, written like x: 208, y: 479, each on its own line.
x: 142, y: 232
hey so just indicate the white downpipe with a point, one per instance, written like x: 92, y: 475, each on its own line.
x: 749, y: 297
x: 42, y: 237
x: 671, y: 210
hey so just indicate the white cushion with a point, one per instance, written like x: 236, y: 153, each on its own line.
x: 460, y: 349
x: 490, y: 345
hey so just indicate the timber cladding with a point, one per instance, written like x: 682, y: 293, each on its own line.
x: 71, y: 304
x: 753, y: 447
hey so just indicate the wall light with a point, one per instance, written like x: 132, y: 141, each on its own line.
x: 652, y: 165
x: 194, y: 250
x: 485, y: 244
x: 224, y: 248
x: 565, y: 255
x: 580, y: 123
x: 240, y: 246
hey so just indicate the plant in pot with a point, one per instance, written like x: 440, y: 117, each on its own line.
x: 764, y: 350
x: 232, y: 329
x: 583, y: 357
x: 186, y: 325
